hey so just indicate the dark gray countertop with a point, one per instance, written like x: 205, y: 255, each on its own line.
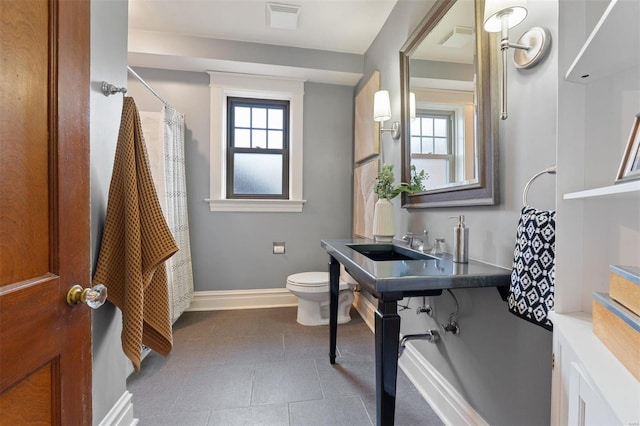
x: 409, y: 276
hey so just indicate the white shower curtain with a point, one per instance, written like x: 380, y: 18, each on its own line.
x: 164, y: 137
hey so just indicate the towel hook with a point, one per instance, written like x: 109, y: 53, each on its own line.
x: 109, y: 89
x: 551, y: 170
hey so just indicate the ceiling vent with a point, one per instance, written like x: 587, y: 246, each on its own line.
x: 282, y: 16
x: 458, y: 38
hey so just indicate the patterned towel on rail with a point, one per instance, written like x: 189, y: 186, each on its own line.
x: 534, y: 267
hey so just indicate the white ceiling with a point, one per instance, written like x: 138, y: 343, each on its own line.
x: 348, y: 26
x: 461, y: 14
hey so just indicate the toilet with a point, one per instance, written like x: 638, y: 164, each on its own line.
x: 312, y: 291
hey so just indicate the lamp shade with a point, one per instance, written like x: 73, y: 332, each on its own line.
x: 412, y: 105
x: 381, y: 106
x: 516, y: 10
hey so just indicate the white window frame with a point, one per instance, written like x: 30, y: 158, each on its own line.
x: 223, y: 85
x: 458, y: 133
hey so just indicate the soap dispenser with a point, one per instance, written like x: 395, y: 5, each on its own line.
x: 460, y: 241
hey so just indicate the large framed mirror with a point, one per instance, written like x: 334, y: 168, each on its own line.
x: 448, y: 118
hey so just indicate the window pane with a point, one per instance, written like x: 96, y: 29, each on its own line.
x: 259, y: 174
x: 441, y: 146
x: 242, y: 138
x: 259, y: 116
x: 242, y: 117
x: 427, y: 126
x: 440, y: 125
x: 438, y: 170
x: 275, y: 119
x: 415, y: 145
x: 427, y: 145
x: 414, y: 127
x: 275, y: 139
x: 259, y: 139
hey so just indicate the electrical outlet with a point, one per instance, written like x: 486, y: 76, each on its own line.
x: 278, y: 248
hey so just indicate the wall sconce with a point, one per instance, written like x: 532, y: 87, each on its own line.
x: 412, y: 106
x: 382, y: 113
x: 531, y: 48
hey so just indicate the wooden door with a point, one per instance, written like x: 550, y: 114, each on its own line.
x: 45, y: 344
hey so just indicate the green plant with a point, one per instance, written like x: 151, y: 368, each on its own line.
x: 384, y: 188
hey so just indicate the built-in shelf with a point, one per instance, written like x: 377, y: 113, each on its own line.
x: 613, y: 45
x: 622, y: 189
x: 589, y: 380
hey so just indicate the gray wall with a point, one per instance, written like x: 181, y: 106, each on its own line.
x: 233, y: 251
x: 499, y: 363
x: 108, y: 62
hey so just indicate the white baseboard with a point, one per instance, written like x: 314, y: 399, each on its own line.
x: 242, y: 299
x: 445, y: 400
x: 121, y: 414
x: 366, y: 309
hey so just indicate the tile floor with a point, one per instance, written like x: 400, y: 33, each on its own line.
x: 260, y: 367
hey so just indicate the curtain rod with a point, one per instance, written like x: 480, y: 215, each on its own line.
x: 133, y: 73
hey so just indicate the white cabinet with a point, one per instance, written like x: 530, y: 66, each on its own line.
x: 590, y: 386
x: 586, y: 406
x: 598, y: 222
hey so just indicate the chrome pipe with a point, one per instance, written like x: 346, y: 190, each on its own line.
x: 431, y: 336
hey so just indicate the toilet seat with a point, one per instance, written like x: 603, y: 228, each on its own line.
x: 309, y: 279
x: 313, y: 282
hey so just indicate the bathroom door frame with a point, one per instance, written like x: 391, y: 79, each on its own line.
x: 45, y: 344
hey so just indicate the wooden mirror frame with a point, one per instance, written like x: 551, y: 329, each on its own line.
x: 485, y: 191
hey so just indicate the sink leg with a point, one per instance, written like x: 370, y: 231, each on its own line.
x: 387, y: 339
x: 334, y: 289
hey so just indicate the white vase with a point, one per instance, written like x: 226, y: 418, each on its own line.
x: 383, y: 229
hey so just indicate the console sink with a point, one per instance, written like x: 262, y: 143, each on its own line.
x: 394, y: 268
x: 388, y: 252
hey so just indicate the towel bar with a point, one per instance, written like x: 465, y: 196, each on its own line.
x: 109, y: 89
x: 551, y: 170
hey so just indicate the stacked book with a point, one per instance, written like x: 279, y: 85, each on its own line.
x: 616, y: 316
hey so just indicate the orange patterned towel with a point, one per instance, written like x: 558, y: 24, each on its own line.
x: 135, y: 243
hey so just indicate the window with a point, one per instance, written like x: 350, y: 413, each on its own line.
x: 256, y: 144
x: 258, y: 148
x: 432, y: 146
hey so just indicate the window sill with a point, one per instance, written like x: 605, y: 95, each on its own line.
x: 258, y: 206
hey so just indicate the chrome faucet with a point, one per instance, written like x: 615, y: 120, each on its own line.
x: 411, y: 239
x: 436, y: 249
x: 408, y: 237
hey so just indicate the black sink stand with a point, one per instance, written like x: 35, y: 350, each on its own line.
x: 387, y: 335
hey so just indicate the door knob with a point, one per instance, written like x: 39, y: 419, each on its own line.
x: 94, y: 297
